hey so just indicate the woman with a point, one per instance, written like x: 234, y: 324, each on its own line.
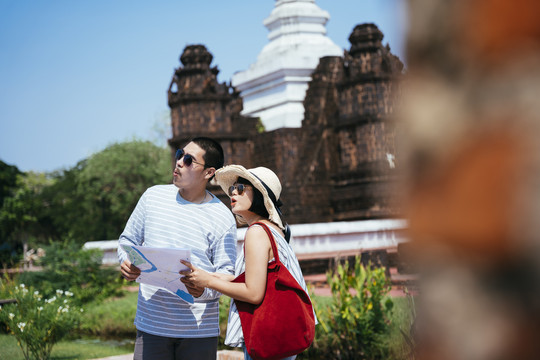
x: 254, y: 197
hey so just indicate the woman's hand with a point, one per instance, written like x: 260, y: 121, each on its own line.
x: 195, y: 277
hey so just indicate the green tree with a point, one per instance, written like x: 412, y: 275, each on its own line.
x: 21, y: 210
x: 91, y: 201
x: 8, y: 182
x: 110, y: 184
x: 61, y: 205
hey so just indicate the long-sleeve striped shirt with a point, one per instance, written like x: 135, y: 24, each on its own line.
x: 235, y: 336
x: 162, y: 218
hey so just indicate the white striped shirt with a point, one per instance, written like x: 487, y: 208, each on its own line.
x: 162, y: 218
x: 235, y: 337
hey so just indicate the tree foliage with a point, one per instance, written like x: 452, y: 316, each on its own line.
x: 91, y: 201
x: 8, y: 184
x: 20, y: 212
x: 69, y: 267
x: 8, y: 180
x: 94, y: 200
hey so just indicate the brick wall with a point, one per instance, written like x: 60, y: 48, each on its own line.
x: 339, y: 164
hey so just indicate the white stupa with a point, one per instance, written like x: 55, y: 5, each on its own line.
x: 274, y: 87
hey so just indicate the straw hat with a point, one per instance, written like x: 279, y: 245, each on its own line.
x: 263, y: 179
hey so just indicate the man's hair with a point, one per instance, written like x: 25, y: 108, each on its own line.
x: 257, y: 206
x: 213, y: 152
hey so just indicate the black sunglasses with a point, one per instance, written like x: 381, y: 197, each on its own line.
x: 239, y: 188
x: 188, y: 159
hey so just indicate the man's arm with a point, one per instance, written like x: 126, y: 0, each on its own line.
x: 224, y: 258
x: 133, y: 234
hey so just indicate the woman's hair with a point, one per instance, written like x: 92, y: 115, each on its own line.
x: 257, y: 206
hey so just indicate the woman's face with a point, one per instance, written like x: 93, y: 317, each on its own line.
x: 241, y: 198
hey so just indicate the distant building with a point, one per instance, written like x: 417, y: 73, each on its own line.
x: 312, y: 241
x: 109, y: 248
x: 274, y: 87
x: 336, y: 169
x: 338, y: 165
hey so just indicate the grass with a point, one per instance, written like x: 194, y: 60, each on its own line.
x: 110, y: 319
x: 66, y: 350
x: 401, y: 321
x: 113, y: 319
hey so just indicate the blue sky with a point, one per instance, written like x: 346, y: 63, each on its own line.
x: 77, y: 76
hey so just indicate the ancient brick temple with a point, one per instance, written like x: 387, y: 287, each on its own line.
x: 339, y: 164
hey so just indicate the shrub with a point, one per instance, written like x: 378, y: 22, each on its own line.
x: 224, y: 304
x: 37, y: 322
x: 356, y: 322
x: 68, y: 267
x: 111, y: 318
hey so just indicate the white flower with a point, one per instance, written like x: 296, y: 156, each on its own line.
x: 64, y: 310
x: 50, y: 300
x: 59, y: 292
x: 11, y: 316
x: 40, y: 308
x: 68, y: 293
x: 36, y: 293
x: 65, y: 301
x: 21, y: 326
x: 22, y: 286
x: 82, y: 310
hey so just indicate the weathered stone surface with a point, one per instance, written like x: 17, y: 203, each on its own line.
x: 200, y: 106
x: 340, y: 164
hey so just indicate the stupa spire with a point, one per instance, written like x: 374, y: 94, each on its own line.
x: 274, y: 87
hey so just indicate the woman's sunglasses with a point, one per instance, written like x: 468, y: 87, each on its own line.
x: 238, y: 187
x: 188, y: 159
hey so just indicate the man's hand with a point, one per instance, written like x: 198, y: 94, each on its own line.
x: 129, y: 271
x: 193, y: 289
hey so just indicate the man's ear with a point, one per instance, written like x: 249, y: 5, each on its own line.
x: 209, y: 172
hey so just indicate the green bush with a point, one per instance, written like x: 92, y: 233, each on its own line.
x: 111, y: 318
x: 68, y: 267
x: 224, y: 304
x: 356, y: 323
x: 37, y: 322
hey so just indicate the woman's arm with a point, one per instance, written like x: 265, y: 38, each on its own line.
x: 257, y: 252
x: 224, y: 277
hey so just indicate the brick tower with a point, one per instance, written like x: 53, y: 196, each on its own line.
x: 200, y: 106
x: 346, y: 157
x: 337, y: 166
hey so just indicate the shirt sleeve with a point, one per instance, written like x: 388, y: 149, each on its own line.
x: 224, y: 258
x: 133, y: 233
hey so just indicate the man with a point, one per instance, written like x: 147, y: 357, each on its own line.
x: 182, y: 215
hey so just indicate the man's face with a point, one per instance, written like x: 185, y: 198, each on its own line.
x: 186, y: 177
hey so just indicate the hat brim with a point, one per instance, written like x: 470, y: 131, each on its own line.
x: 228, y: 175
